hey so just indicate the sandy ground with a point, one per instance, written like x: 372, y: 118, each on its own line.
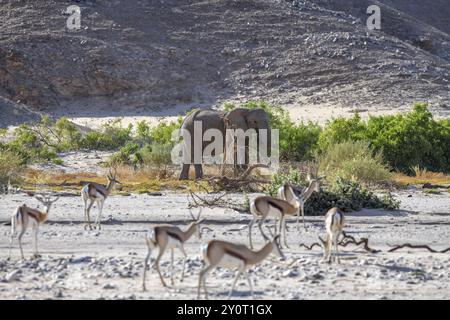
x: 108, y: 264
x: 315, y: 113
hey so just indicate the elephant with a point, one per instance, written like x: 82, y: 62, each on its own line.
x: 238, y: 118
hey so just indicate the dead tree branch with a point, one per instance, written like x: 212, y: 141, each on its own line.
x: 211, y: 200
x: 302, y: 245
x: 244, y: 182
x: 414, y: 246
x: 351, y: 240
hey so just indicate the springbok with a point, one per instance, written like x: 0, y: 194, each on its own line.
x: 23, y: 216
x: 264, y: 206
x: 234, y: 256
x: 166, y: 237
x: 334, y: 224
x: 293, y: 194
x: 96, y: 192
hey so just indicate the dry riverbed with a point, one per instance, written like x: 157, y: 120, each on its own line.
x: 108, y: 264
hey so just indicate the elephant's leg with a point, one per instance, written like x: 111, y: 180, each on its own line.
x: 198, y: 171
x: 184, y: 175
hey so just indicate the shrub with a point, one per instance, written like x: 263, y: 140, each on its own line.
x: 341, y: 130
x: 142, y: 133
x: 291, y: 176
x: 354, y: 161
x: 32, y: 144
x: 69, y: 137
x: 405, y: 140
x: 129, y: 155
x: 412, y: 139
x: 162, y: 132
x: 111, y: 136
x: 157, y: 155
x: 10, y: 167
x: 344, y: 194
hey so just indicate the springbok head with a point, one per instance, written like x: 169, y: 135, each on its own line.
x: 112, y: 176
x: 46, y: 199
x: 196, y: 222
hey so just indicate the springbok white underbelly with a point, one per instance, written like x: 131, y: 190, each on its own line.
x: 274, y: 212
x: 230, y: 262
x: 173, y: 243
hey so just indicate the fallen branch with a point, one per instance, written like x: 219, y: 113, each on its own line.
x: 216, y: 201
x: 302, y: 245
x: 344, y: 242
x: 242, y: 183
x: 413, y: 246
x: 351, y: 240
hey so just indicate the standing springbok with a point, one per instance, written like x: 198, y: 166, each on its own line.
x: 166, y: 237
x: 265, y: 206
x: 96, y: 192
x: 224, y: 254
x: 292, y: 195
x: 334, y: 224
x: 24, y: 216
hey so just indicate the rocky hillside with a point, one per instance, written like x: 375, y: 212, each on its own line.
x: 149, y: 56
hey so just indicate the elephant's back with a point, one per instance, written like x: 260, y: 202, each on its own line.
x: 210, y: 118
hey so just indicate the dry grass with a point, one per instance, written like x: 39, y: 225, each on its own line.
x: 141, y: 181
x: 421, y: 176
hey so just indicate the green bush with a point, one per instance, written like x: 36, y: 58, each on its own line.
x: 414, y: 139
x: 149, y: 146
x: 406, y: 140
x: 291, y: 176
x: 341, y: 130
x: 355, y: 161
x: 157, y: 155
x: 129, y: 154
x: 344, y: 194
x: 11, y: 167
x: 111, y: 136
x: 69, y: 137
x: 31, y: 143
x: 162, y: 132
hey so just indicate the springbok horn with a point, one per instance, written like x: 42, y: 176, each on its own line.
x: 190, y: 213
x: 199, y: 213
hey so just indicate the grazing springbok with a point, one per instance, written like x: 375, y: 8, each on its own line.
x: 166, y: 237
x: 264, y: 206
x: 334, y: 224
x: 24, y: 216
x: 293, y: 194
x: 95, y: 192
x: 225, y: 254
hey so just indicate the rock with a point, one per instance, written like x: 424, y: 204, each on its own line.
x: 109, y: 286
x: 290, y: 274
x: 83, y: 259
x: 294, y: 296
x: 58, y: 294
x: 13, y: 276
x: 318, y: 276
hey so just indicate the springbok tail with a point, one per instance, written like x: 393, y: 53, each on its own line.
x: 150, y: 239
x: 253, y: 209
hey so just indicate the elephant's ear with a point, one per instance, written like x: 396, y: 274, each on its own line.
x: 237, y: 118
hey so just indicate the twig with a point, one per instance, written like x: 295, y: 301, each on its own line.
x: 351, y: 240
x: 421, y: 246
x: 302, y: 245
x: 215, y: 201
